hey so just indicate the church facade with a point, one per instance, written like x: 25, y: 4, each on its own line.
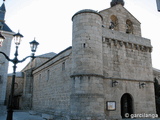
x: 106, y: 74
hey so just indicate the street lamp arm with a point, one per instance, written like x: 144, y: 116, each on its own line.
x: 6, y: 56
x: 26, y: 58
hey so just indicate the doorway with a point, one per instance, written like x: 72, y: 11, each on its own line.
x: 16, y: 102
x: 126, y: 105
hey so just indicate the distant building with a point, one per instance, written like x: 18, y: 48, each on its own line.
x: 23, y: 83
x: 8, y: 33
x: 106, y: 74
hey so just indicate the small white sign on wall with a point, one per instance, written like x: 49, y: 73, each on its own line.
x: 111, y: 105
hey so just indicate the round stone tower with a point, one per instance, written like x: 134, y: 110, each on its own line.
x: 87, y: 42
x: 87, y: 98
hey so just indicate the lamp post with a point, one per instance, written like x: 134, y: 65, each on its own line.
x: 17, y: 39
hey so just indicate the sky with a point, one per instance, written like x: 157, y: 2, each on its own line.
x: 49, y: 22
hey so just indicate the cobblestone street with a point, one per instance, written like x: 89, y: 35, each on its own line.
x: 22, y: 115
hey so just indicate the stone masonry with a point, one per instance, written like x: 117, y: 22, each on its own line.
x: 24, y: 83
x: 109, y: 62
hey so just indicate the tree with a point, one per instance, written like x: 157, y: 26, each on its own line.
x: 157, y: 96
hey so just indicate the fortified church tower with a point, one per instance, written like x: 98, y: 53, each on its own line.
x: 4, y: 47
x: 111, y: 65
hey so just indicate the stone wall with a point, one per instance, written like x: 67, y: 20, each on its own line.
x: 26, y: 99
x: 87, y: 98
x: 52, y: 85
x: 143, y: 98
x: 128, y: 58
x: 19, y: 84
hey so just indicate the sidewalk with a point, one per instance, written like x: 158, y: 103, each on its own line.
x: 22, y: 115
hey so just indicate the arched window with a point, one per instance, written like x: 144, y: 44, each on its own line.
x: 129, y: 27
x: 63, y: 66
x: 1, y: 81
x: 113, y: 23
x: 48, y: 74
x: 40, y: 77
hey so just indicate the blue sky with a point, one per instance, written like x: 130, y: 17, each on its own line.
x: 50, y: 23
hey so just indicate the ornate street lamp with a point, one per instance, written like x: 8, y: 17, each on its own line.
x: 17, y: 39
x: 33, y: 46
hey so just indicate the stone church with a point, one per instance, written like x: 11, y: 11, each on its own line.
x: 106, y: 74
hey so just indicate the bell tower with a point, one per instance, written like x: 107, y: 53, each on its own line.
x: 4, y: 47
x: 115, y: 2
